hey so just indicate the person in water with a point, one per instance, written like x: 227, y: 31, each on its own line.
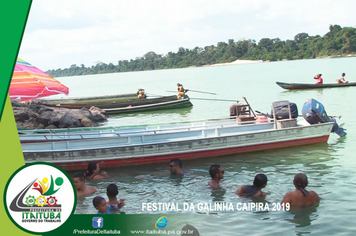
x: 100, y: 204
x: 342, y: 80
x: 217, y: 174
x: 93, y: 172
x: 112, y: 191
x: 300, y: 197
x: 176, y: 167
x: 82, y: 189
x: 254, y: 190
x: 318, y: 78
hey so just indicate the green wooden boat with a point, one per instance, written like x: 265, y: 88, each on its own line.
x: 121, y: 104
x: 87, y: 101
x: 138, y: 105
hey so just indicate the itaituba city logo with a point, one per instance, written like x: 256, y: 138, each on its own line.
x: 39, y: 194
x: 44, y: 200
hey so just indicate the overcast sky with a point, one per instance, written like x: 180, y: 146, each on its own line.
x: 61, y: 33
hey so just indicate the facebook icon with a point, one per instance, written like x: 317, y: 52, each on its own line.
x: 98, y: 222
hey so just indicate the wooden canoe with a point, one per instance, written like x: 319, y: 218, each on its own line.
x: 163, y: 103
x: 87, y: 101
x: 128, y: 106
x: 312, y: 86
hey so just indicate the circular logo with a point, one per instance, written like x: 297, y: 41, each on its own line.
x: 161, y: 222
x: 39, y: 197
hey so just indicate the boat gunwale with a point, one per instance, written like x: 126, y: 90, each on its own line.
x: 159, y: 128
x: 110, y: 110
x: 83, y: 129
x: 167, y: 142
x: 85, y: 99
x: 144, y: 132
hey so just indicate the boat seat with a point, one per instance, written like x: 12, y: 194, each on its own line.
x: 283, y: 123
x: 243, y: 113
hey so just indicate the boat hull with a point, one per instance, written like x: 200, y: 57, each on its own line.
x: 184, y: 145
x: 128, y: 106
x: 88, y: 101
x: 312, y: 86
x: 170, y: 103
x: 82, y: 165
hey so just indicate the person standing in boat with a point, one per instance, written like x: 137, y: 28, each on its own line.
x: 93, y: 172
x: 176, y: 167
x: 300, y: 197
x: 342, y: 80
x: 318, y: 78
x: 82, y: 189
x: 254, y: 190
x: 217, y: 174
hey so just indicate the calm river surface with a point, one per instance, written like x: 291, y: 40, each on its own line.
x: 330, y: 167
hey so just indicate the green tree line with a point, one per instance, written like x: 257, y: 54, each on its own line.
x: 338, y: 41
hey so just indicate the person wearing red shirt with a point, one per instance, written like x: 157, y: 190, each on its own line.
x: 318, y: 78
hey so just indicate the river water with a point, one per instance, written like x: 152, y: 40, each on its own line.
x: 330, y: 167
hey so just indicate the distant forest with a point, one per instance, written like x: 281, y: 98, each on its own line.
x: 338, y: 41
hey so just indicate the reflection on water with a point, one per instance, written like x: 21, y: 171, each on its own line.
x: 217, y: 195
x: 302, y: 91
x: 179, y: 111
x: 148, y: 117
x: 337, y: 141
x: 176, y: 179
x: 320, y: 92
x: 303, y: 216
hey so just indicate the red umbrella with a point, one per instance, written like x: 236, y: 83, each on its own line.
x: 29, y: 82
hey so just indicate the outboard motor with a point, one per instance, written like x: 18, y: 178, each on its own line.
x: 314, y: 113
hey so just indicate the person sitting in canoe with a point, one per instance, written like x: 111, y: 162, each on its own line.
x: 318, y: 78
x: 141, y: 94
x: 217, y: 174
x: 300, y: 197
x: 254, y: 190
x: 181, y: 91
x: 342, y: 80
x: 93, y: 172
x: 82, y: 189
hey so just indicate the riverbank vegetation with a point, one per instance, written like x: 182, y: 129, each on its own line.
x: 337, y: 42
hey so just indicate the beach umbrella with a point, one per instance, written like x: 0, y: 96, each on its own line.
x: 29, y: 82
